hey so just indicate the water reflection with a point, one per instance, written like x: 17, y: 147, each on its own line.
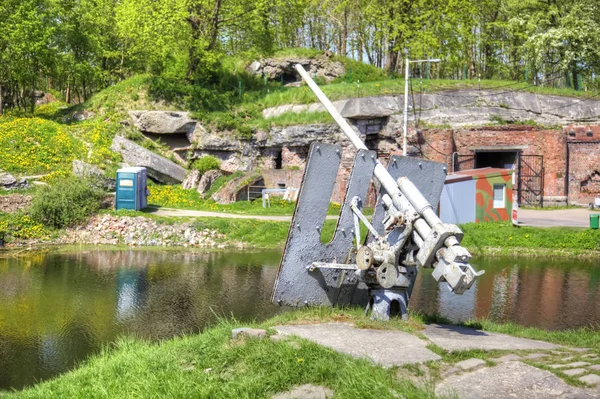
x: 551, y: 294
x: 57, y: 309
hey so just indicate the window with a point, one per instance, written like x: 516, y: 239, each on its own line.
x: 499, y: 191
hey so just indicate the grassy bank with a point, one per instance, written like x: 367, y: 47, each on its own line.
x: 503, y: 238
x: 212, y: 365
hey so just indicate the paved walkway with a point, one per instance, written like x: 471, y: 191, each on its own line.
x: 517, y: 367
x: 196, y: 214
x: 556, y: 218
x: 527, y: 217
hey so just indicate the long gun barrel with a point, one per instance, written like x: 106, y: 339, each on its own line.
x: 438, y: 243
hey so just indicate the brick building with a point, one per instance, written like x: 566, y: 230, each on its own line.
x: 553, y: 166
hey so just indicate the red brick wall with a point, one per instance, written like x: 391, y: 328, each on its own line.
x: 438, y: 145
x: 584, y: 163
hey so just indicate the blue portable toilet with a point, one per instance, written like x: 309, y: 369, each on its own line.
x: 131, y: 188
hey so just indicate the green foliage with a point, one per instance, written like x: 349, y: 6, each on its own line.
x: 205, y: 164
x: 357, y: 71
x: 66, y: 202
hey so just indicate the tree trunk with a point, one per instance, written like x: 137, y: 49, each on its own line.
x: 68, y: 92
x: 344, y: 33
x: 574, y: 78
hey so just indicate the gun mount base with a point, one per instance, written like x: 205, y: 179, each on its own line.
x: 388, y: 303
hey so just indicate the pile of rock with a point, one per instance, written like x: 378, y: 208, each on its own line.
x: 8, y: 182
x: 141, y: 231
x: 284, y: 69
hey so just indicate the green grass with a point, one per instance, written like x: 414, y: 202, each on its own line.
x: 177, y: 197
x: 503, y: 237
x: 211, y: 365
x: 582, y: 337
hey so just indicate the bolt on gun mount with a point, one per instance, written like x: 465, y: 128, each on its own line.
x: 407, y: 234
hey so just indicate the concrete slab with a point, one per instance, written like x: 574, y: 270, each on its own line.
x: 592, y: 379
x: 306, y: 391
x: 569, y: 365
x: 457, y: 338
x: 574, y: 372
x: 510, y: 380
x: 387, y: 348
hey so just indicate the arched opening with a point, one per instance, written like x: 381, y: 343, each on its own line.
x: 395, y: 309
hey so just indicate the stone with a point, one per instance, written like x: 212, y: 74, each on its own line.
x: 278, y: 338
x: 590, y: 379
x: 534, y: 356
x: 595, y: 367
x: 248, y: 332
x: 387, y: 348
x: 158, y: 167
x: 371, y: 107
x: 7, y: 180
x: 306, y: 391
x: 580, y: 349
x: 94, y: 173
x: 83, y: 115
x: 572, y: 372
x: 509, y: 380
x: 458, y: 338
x: 207, y: 180
x: 569, y: 365
x: 507, y: 358
x: 283, y: 70
x: 191, y: 180
x: 470, y: 364
x: 163, y: 122
x: 231, y: 165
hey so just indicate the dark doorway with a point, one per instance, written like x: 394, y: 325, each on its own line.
x: 279, y: 159
x: 496, y: 159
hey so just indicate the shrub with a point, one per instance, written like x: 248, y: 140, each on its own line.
x: 67, y: 202
x: 206, y: 163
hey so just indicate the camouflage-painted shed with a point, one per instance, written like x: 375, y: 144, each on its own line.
x: 477, y: 195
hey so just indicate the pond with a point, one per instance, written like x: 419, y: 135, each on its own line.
x: 58, y: 308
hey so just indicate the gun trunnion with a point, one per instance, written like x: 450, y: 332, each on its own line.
x: 404, y: 234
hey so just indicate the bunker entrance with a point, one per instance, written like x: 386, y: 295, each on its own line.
x: 496, y: 159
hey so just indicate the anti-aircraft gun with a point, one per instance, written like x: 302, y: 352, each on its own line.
x: 404, y: 233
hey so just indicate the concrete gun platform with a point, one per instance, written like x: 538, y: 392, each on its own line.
x: 517, y: 367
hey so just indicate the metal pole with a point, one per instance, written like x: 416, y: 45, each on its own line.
x: 405, y: 130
